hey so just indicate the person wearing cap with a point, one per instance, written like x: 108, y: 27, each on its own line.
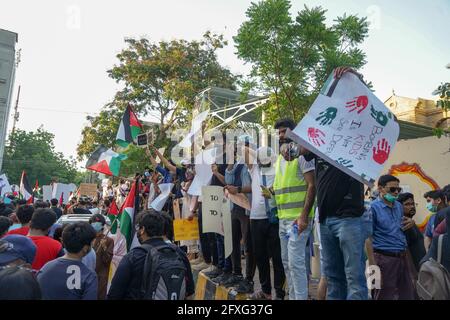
x: 17, y: 250
x: 295, y: 192
x: 264, y: 224
x: 104, y: 249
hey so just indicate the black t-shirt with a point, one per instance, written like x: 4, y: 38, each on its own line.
x: 338, y: 194
x: 215, y: 181
x: 416, y: 246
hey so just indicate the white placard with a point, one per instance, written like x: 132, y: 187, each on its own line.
x: 212, y: 209
x: 59, y: 188
x: 349, y: 127
x: 47, y: 193
x: 226, y: 221
x: 161, y: 199
x: 5, y: 187
x: 203, y: 171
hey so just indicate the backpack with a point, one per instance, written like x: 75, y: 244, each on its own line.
x: 434, y: 279
x: 164, y: 274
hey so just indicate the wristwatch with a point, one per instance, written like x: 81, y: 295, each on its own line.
x: 239, y: 189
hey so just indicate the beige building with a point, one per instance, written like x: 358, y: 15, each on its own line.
x: 420, y: 111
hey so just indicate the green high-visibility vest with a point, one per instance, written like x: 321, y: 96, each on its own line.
x: 290, y: 191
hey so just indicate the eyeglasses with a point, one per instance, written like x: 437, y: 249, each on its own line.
x: 394, y: 189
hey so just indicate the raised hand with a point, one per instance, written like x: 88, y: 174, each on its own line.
x: 381, y: 154
x: 327, y: 116
x: 316, y: 136
x: 358, y: 103
x: 379, y: 116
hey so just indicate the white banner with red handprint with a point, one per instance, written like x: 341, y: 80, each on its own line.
x: 348, y: 126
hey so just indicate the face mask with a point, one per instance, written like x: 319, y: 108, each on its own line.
x: 97, y: 226
x: 389, y: 197
x: 431, y: 207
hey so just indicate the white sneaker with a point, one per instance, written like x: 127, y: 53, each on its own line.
x: 200, y: 266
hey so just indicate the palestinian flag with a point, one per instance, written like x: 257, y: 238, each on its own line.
x: 25, y: 189
x: 126, y: 216
x: 113, y: 213
x: 129, y: 128
x: 105, y: 161
x: 61, y: 199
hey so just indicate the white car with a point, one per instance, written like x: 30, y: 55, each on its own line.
x: 71, y: 218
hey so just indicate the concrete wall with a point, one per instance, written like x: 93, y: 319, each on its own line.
x: 432, y: 156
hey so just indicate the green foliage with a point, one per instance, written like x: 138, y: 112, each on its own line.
x: 35, y: 153
x: 444, y: 96
x: 291, y: 58
x: 160, y: 79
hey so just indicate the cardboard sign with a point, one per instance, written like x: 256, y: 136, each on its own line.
x: 349, y: 127
x: 88, y: 189
x: 212, y: 209
x: 61, y: 189
x: 161, y: 199
x: 185, y: 229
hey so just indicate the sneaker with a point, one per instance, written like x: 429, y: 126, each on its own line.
x: 260, y: 295
x: 244, y: 286
x: 213, y: 273
x: 200, y: 266
x: 222, y: 278
x: 233, y: 281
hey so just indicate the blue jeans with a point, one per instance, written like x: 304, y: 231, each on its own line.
x: 293, y: 251
x: 343, y: 251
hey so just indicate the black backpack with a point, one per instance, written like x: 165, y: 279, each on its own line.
x: 164, y: 274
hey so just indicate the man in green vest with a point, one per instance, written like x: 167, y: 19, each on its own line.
x: 294, y: 189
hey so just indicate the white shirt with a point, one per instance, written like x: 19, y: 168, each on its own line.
x: 258, y: 206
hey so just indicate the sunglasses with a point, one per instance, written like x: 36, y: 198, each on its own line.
x: 393, y: 189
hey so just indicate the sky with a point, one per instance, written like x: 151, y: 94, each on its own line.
x: 67, y: 47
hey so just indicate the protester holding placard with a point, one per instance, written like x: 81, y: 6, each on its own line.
x: 238, y: 180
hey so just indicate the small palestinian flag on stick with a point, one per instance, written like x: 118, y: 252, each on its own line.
x: 25, y: 189
x: 129, y: 128
x: 105, y: 161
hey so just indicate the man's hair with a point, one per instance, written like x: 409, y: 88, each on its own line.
x: 54, y: 202
x: 77, y: 235
x: 21, y: 202
x: 40, y: 204
x: 18, y: 284
x: 385, y: 179
x: 402, y: 197
x: 446, y: 191
x: 285, y: 123
x: 152, y: 221
x: 43, y: 219
x: 168, y: 225
x: 106, y: 202
x: 97, y: 218
x: 25, y: 213
x: 5, y: 223
x: 435, y: 194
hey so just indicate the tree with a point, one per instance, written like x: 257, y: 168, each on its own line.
x: 160, y: 79
x: 443, y: 91
x: 35, y: 153
x: 291, y: 58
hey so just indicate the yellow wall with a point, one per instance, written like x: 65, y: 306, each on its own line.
x: 433, y: 156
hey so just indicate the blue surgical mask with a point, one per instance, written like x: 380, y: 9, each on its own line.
x: 431, y: 207
x: 97, y: 226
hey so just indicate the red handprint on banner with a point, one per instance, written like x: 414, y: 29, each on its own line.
x: 381, y: 154
x: 359, y: 103
x: 316, y: 136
